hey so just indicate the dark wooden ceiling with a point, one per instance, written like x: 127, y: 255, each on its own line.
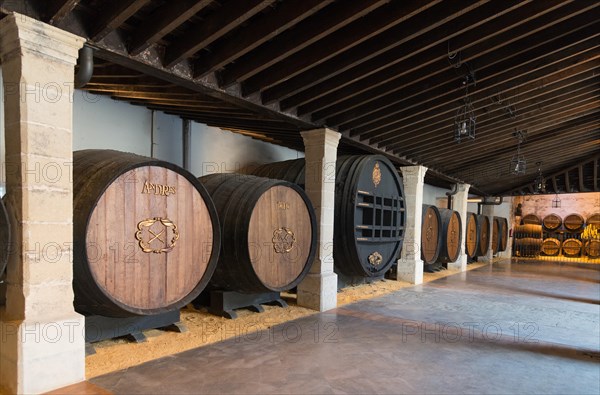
x: 388, y: 75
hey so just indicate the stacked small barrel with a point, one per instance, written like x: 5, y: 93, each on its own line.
x: 528, y: 237
x: 572, y: 236
x: 592, y: 236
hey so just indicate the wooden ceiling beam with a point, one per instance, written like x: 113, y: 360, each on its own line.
x: 313, y: 29
x: 577, y: 59
x: 535, y: 121
x: 584, y: 125
x: 347, y: 37
x: 593, y: 158
x: 267, y: 27
x: 459, y: 13
x: 112, y: 49
x: 537, y: 64
x: 113, y: 15
x: 215, y: 26
x: 57, y: 10
x: 498, y: 180
x: 488, y: 130
x: 490, y: 177
x: 163, y: 21
x: 494, y: 116
x: 438, y: 77
x: 493, y: 138
x: 572, y: 130
x: 373, y: 79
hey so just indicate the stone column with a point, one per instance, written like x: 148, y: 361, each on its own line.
x: 318, y: 290
x: 410, y: 265
x: 460, y: 205
x: 488, y: 211
x: 42, y: 344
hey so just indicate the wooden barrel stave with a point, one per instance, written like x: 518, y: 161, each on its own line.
x: 119, y: 269
x: 431, y: 234
x: 551, y: 246
x: 258, y: 215
x: 593, y: 219
x: 472, y: 235
x: 496, y: 229
x: 592, y: 248
x: 484, y: 235
x: 531, y: 219
x: 572, y: 247
x: 451, y: 240
x: 573, y: 222
x: 360, y: 249
x: 552, y: 222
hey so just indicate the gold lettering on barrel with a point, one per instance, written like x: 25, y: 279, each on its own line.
x: 158, y: 189
x: 283, y: 205
x: 153, y: 235
x: 283, y: 240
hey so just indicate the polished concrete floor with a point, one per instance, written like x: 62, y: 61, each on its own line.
x: 507, y: 329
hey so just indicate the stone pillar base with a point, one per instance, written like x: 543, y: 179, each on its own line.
x: 460, y: 264
x: 41, y: 356
x: 410, y: 270
x: 318, y: 291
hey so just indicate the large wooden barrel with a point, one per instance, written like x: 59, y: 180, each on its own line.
x: 551, y: 246
x: 369, y: 211
x: 431, y: 234
x: 146, y: 234
x: 528, y: 247
x: 552, y: 222
x: 592, y: 248
x: 269, y: 233
x: 451, y: 236
x: 572, y: 247
x: 503, y: 235
x: 4, y: 237
x: 472, y: 235
x: 531, y: 219
x: 573, y: 222
x: 528, y: 231
x: 484, y: 235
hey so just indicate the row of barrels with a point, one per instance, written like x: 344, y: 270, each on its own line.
x: 441, y: 237
x: 149, y: 237
x: 553, y: 222
x: 570, y: 247
x: 529, y: 243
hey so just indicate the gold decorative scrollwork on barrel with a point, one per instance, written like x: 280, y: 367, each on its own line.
x: 155, y: 238
x: 283, y: 240
x: 375, y: 258
x: 376, y: 174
